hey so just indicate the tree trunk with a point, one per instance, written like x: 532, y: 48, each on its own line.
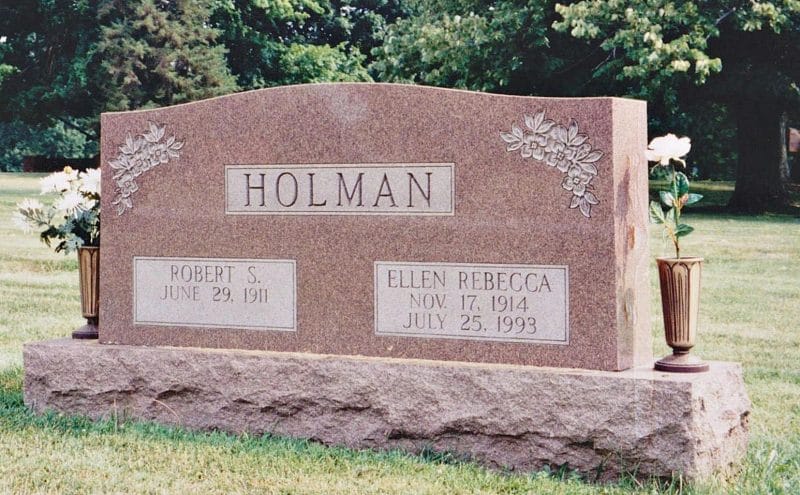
x: 794, y: 175
x: 762, y: 174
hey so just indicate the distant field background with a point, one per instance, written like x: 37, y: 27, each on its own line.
x: 750, y: 310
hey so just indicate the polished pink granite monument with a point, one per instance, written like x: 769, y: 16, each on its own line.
x: 386, y: 266
x: 381, y: 220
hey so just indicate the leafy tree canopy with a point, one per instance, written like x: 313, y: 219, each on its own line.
x: 295, y: 41
x: 475, y: 44
x: 659, y: 45
x: 742, y: 54
x: 63, y: 63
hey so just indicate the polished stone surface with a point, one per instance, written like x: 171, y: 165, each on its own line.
x: 535, y: 181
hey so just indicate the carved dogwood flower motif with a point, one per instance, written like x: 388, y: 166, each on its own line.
x: 534, y: 146
x: 576, y: 180
x: 561, y: 147
x: 137, y: 156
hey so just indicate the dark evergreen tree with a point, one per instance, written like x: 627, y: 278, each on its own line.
x: 157, y: 53
x: 272, y: 43
x: 63, y: 63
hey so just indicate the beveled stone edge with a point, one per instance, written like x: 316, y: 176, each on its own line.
x: 637, y: 373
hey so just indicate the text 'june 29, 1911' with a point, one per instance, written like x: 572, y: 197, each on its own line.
x: 212, y: 292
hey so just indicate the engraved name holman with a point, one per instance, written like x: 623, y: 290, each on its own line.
x: 385, y: 189
x: 287, y: 189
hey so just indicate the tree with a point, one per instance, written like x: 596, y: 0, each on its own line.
x: 669, y: 54
x: 45, y: 53
x: 509, y: 47
x: 74, y: 60
x: 63, y: 63
x: 322, y: 63
x: 358, y: 23
x: 18, y: 140
x: 43, y: 96
x: 5, y: 69
x: 290, y: 42
x: 503, y: 46
x: 157, y: 53
x: 741, y: 54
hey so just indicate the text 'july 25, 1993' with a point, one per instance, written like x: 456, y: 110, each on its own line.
x: 511, y: 303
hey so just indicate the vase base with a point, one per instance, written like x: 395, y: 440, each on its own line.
x: 86, y: 332
x: 681, y: 363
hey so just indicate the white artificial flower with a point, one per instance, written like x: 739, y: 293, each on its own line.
x: 30, y: 204
x: 21, y: 222
x: 670, y: 147
x: 90, y: 181
x: 70, y: 201
x: 55, y: 182
x: 87, y: 203
x: 74, y: 210
x: 71, y: 173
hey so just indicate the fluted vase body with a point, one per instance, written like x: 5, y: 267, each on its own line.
x: 680, y: 301
x: 89, y: 277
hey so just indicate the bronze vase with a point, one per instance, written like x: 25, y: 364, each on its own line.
x: 89, y: 275
x: 680, y: 301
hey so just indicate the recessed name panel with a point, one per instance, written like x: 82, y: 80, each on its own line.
x: 334, y: 189
x: 213, y: 292
x: 509, y: 303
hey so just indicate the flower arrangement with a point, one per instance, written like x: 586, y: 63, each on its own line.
x: 665, y: 150
x: 73, y: 215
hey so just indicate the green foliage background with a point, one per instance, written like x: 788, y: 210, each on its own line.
x: 62, y: 63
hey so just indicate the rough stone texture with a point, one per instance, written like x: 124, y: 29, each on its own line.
x: 500, y: 415
x: 508, y: 209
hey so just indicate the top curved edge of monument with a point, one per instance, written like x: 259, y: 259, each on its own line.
x: 400, y: 87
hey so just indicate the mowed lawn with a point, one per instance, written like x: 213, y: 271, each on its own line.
x: 750, y: 313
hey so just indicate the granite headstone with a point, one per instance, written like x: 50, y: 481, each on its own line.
x: 368, y: 265
x: 381, y: 220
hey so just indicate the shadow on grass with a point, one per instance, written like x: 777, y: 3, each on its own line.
x: 723, y: 210
x: 717, y: 194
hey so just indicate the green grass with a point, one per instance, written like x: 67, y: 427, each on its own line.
x: 750, y: 313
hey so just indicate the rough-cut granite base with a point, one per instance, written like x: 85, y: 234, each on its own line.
x: 517, y: 417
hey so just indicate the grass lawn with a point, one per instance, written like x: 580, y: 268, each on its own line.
x: 750, y: 313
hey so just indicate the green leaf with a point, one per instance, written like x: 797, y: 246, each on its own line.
x: 682, y: 183
x: 656, y: 213
x: 693, y: 198
x: 683, y: 230
x: 667, y: 198
x: 670, y: 217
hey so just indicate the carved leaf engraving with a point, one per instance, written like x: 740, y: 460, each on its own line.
x: 562, y: 147
x: 137, y: 156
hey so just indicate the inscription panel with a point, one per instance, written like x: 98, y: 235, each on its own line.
x: 509, y: 303
x: 333, y: 189
x: 213, y: 292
